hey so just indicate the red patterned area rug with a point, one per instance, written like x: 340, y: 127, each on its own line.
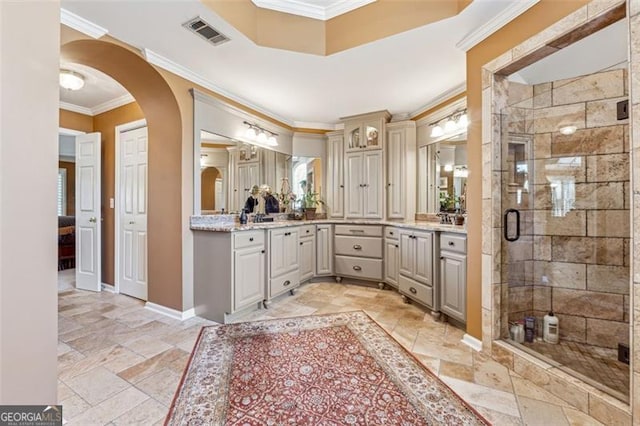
x: 339, y: 369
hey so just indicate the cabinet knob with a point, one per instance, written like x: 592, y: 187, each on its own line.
x: 357, y: 247
x: 391, y: 233
x: 396, y: 246
x: 341, y: 186
x: 286, y: 283
x: 307, y: 231
x: 300, y: 243
x: 262, y: 252
x: 389, y: 184
x: 413, y: 290
x: 357, y: 268
x: 451, y: 243
x: 441, y: 257
x: 251, y: 239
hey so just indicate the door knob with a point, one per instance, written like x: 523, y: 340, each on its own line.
x: 131, y: 222
x: 93, y: 220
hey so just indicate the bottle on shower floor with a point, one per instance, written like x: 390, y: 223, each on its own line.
x: 551, y: 328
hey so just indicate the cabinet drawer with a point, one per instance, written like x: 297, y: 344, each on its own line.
x: 414, y: 290
x: 248, y: 239
x: 283, y: 283
x: 307, y: 231
x: 358, y: 267
x: 358, y: 246
x: 451, y: 242
x: 391, y: 233
x: 361, y: 230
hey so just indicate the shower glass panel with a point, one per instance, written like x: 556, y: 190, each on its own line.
x: 566, y: 225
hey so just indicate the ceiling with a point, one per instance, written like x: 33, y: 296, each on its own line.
x: 100, y: 92
x: 402, y: 73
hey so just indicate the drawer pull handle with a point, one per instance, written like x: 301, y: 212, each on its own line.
x: 357, y: 268
x: 413, y: 290
x: 307, y: 231
x: 286, y: 283
x: 251, y: 239
x: 357, y: 247
x: 451, y: 243
x: 391, y: 233
x: 356, y: 230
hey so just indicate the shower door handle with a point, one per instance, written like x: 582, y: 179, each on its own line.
x: 506, y: 224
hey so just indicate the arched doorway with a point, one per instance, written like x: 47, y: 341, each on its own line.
x: 161, y: 110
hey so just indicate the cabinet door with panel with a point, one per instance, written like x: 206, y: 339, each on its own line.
x: 373, y: 197
x: 307, y: 254
x: 406, y: 265
x: 324, y: 250
x: 453, y: 285
x: 283, y: 251
x: 354, y: 193
x: 423, y: 271
x: 249, y: 276
x: 391, y: 259
x: 335, y: 175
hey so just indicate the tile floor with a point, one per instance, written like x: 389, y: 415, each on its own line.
x: 120, y: 363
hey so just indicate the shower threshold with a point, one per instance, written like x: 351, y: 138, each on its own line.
x: 594, y: 365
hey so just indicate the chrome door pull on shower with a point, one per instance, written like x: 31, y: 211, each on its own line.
x: 506, y: 224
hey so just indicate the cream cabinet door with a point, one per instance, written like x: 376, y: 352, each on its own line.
x: 453, y: 285
x: 307, y: 258
x: 335, y: 175
x: 354, y: 185
x: 407, y: 254
x: 391, y: 259
x: 249, y: 277
x: 423, y: 257
x: 324, y: 250
x: 283, y: 251
x: 373, y: 197
x: 395, y: 174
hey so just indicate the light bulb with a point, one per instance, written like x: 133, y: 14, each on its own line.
x: 436, y: 131
x: 250, y: 133
x: 450, y: 125
x: 271, y: 140
x: 448, y: 167
x: 262, y: 137
x: 463, y: 121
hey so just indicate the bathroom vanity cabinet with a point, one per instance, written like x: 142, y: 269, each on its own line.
x: 229, y: 272
x: 391, y: 255
x: 416, y: 272
x: 307, y: 247
x: 283, y: 260
x: 324, y: 250
x: 358, y: 252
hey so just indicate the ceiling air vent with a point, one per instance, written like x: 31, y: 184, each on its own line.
x: 206, y: 31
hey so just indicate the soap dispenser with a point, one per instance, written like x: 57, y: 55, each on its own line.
x: 243, y: 217
x: 551, y: 329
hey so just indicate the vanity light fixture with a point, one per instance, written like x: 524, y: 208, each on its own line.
x: 568, y: 130
x: 260, y: 135
x: 448, y: 167
x: 452, y: 123
x: 71, y: 80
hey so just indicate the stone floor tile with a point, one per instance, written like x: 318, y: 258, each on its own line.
x: 96, y: 385
x: 147, y: 346
x: 110, y: 409
x: 499, y: 419
x: 161, y: 386
x: 578, y: 418
x: 538, y: 413
x: 526, y: 388
x: 456, y: 371
x: 490, y: 373
x: 73, y: 406
x: 147, y: 413
x: 482, y: 396
x: 64, y: 391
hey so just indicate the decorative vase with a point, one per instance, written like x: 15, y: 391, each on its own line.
x: 310, y: 213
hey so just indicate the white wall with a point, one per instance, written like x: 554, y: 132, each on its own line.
x: 29, y: 62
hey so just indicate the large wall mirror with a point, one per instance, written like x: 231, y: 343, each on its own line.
x: 229, y: 163
x: 442, y: 171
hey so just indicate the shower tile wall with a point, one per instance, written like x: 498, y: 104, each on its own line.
x: 573, y: 255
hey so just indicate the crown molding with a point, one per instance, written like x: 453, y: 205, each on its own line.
x: 169, y: 65
x: 76, y: 108
x: 80, y: 24
x: 112, y: 104
x: 313, y: 11
x: 512, y: 11
x: 455, y: 91
x: 314, y: 125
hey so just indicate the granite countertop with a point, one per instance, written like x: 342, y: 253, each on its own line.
x: 227, y: 223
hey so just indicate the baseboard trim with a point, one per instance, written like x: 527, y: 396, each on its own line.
x: 171, y: 313
x: 472, y: 342
x: 108, y: 288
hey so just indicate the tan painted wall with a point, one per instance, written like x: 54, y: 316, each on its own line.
x: 76, y: 121
x: 71, y: 185
x: 208, y: 187
x: 106, y: 123
x: 536, y: 19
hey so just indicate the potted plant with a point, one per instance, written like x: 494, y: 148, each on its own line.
x: 310, y: 201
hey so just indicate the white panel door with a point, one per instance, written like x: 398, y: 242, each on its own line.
x: 88, y: 244
x: 307, y: 258
x: 132, y: 196
x: 407, y: 263
x: 372, y: 185
x: 248, y: 277
x: 424, y: 257
x: 335, y: 177
x: 354, y: 185
x: 324, y: 250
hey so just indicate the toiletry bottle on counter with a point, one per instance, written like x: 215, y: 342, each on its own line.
x: 551, y: 329
x: 243, y: 217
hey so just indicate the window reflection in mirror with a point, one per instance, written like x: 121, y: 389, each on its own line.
x: 307, y: 178
x: 447, y: 163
